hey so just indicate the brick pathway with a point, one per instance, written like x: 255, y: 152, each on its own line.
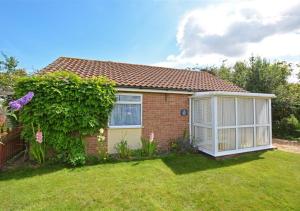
x: 285, y: 145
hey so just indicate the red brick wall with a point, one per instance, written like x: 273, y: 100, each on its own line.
x: 161, y: 114
x: 91, y: 144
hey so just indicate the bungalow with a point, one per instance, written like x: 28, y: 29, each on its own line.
x: 221, y: 117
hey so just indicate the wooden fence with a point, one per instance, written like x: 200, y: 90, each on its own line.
x: 10, y: 146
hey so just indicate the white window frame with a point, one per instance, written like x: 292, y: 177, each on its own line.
x: 236, y: 127
x: 215, y: 127
x: 129, y: 102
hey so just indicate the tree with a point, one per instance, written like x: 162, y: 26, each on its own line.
x: 240, y: 74
x: 9, y: 64
x: 287, y: 101
x: 260, y: 75
x: 225, y: 72
x: 9, y: 72
x: 256, y: 75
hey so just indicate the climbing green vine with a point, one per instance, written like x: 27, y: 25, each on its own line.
x: 66, y: 108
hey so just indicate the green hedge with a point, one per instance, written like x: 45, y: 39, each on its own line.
x: 66, y: 108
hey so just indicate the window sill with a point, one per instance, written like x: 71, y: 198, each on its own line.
x: 126, y: 127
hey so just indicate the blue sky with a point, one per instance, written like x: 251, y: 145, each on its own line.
x: 173, y: 33
x: 136, y: 31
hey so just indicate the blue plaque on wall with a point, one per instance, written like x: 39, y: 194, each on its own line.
x: 183, y: 112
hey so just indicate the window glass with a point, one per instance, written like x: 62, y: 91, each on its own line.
x: 226, y: 111
x: 262, y: 136
x: 262, y: 111
x: 128, y: 98
x: 126, y: 111
x: 245, y: 111
x: 245, y: 137
x: 226, y: 139
x: 202, y: 137
x: 124, y: 114
x: 202, y: 111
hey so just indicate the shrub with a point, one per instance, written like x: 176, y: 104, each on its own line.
x: 67, y: 108
x: 181, y: 144
x: 149, y: 146
x: 287, y: 126
x: 123, y: 149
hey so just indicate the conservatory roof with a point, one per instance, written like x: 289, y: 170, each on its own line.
x: 241, y: 94
x: 144, y: 76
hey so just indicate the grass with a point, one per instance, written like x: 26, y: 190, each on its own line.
x: 257, y: 181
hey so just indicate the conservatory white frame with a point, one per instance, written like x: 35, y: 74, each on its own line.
x: 213, y: 126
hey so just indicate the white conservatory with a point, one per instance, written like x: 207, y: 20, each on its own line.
x: 225, y: 123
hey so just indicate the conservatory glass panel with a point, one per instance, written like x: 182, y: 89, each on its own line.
x: 245, y: 111
x: 202, y: 137
x: 262, y: 111
x: 226, y: 139
x: 245, y: 137
x: 202, y: 111
x: 226, y: 111
x: 262, y: 136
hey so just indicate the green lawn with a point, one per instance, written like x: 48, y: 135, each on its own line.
x: 259, y: 181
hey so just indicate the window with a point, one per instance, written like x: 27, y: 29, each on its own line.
x: 202, y: 111
x: 245, y: 137
x: 262, y: 111
x: 242, y: 123
x: 226, y: 139
x: 262, y: 136
x: 226, y: 111
x: 245, y: 111
x: 203, y: 137
x: 127, y: 111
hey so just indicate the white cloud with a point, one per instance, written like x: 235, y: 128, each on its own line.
x: 235, y: 30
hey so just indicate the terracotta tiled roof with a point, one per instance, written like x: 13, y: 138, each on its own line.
x: 143, y: 76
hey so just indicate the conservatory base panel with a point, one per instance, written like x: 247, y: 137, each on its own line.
x: 233, y: 152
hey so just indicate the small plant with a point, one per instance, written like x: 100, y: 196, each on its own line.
x: 149, y: 147
x: 103, y: 155
x: 181, y: 144
x: 123, y: 149
x: 37, y: 147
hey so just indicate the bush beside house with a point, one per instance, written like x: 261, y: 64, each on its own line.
x: 65, y: 108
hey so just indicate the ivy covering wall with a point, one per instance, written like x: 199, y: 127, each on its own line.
x: 65, y: 108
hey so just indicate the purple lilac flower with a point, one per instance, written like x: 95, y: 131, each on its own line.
x: 15, y: 105
x: 18, y: 104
